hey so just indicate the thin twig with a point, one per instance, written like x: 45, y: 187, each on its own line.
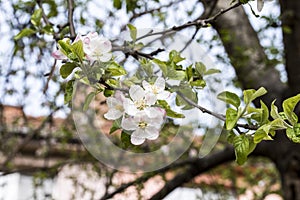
x: 70, y: 19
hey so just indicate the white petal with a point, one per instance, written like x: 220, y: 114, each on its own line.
x: 160, y: 83
x: 163, y: 95
x: 104, y: 45
x: 152, y: 134
x: 136, y: 140
x: 105, y: 57
x: 152, y: 112
x: 113, y: 114
x: 128, y: 124
x: 136, y: 92
x: 146, y: 86
x: 139, y: 133
x: 112, y: 102
x: 129, y: 107
x: 150, y: 99
x: 58, y: 55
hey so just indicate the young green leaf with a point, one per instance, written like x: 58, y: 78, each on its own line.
x: 77, y: 49
x: 212, y: 71
x: 125, y: 139
x: 115, y: 126
x: 265, y: 113
x: 251, y: 94
x: 169, y: 111
x: 229, y: 98
x: 231, y: 118
x: 200, y: 68
x: 116, y: 70
x: 294, y: 133
x: 241, y: 145
x: 175, y: 56
x: 25, y: 33
x: 133, y: 32
x: 88, y: 100
x: 69, y: 90
x: 66, y: 69
x: 288, y: 108
x: 36, y: 17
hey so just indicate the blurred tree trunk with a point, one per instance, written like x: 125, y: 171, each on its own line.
x: 253, y: 70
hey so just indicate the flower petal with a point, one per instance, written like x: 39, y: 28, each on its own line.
x: 163, y: 95
x: 147, y: 86
x: 128, y: 124
x: 136, y: 140
x: 105, y: 57
x: 136, y: 92
x: 113, y: 114
x: 152, y: 133
x: 58, y: 55
x: 160, y: 83
x: 150, y: 99
x: 129, y: 107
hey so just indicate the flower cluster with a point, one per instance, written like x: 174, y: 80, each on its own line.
x: 138, y: 112
x: 95, y: 47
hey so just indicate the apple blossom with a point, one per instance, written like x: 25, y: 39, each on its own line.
x: 95, y: 47
x: 140, y: 101
x: 115, y: 106
x: 143, y: 126
x: 158, y: 88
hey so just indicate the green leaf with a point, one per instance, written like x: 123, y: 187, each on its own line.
x: 212, y: 71
x: 229, y: 98
x: 278, y: 124
x: 198, y: 83
x: 88, y: 100
x: 168, y: 110
x: 66, y: 69
x: 274, y: 111
x: 115, y: 126
x: 117, y: 4
x: 262, y: 134
x: 294, y: 133
x: 265, y: 113
x: 133, y: 32
x: 125, y: 139
x: 115, y: 69
x: 169, y: 71
x: 175, y: 57
x: 65, y: 47
x: 25, y: 33
x: 200, y: 68
x: 288, y: 108
x: 36, y: 17
x: 77, y: 49
x: 69, y: 89
x: 188, y: 92
x: 242, y: 146
x: 251, y: 94
x: 231, y: 118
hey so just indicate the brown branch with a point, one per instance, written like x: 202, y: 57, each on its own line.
x: 198, y: 23
x: 70, y: 19
x: 199, y: 166
x: 50, y: 74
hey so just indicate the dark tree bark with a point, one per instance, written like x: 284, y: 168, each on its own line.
x: 251, y: 64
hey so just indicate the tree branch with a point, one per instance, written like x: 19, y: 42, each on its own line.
x: 199, y: 166
x: 70, y: 19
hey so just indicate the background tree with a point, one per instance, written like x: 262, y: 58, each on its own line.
x: 44, y: 23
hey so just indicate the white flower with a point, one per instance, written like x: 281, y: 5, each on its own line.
x: 143, y: 126
x: 97, y: 47
x: 140, y: 101
x: 158, y: 88
x: 115, y: 106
